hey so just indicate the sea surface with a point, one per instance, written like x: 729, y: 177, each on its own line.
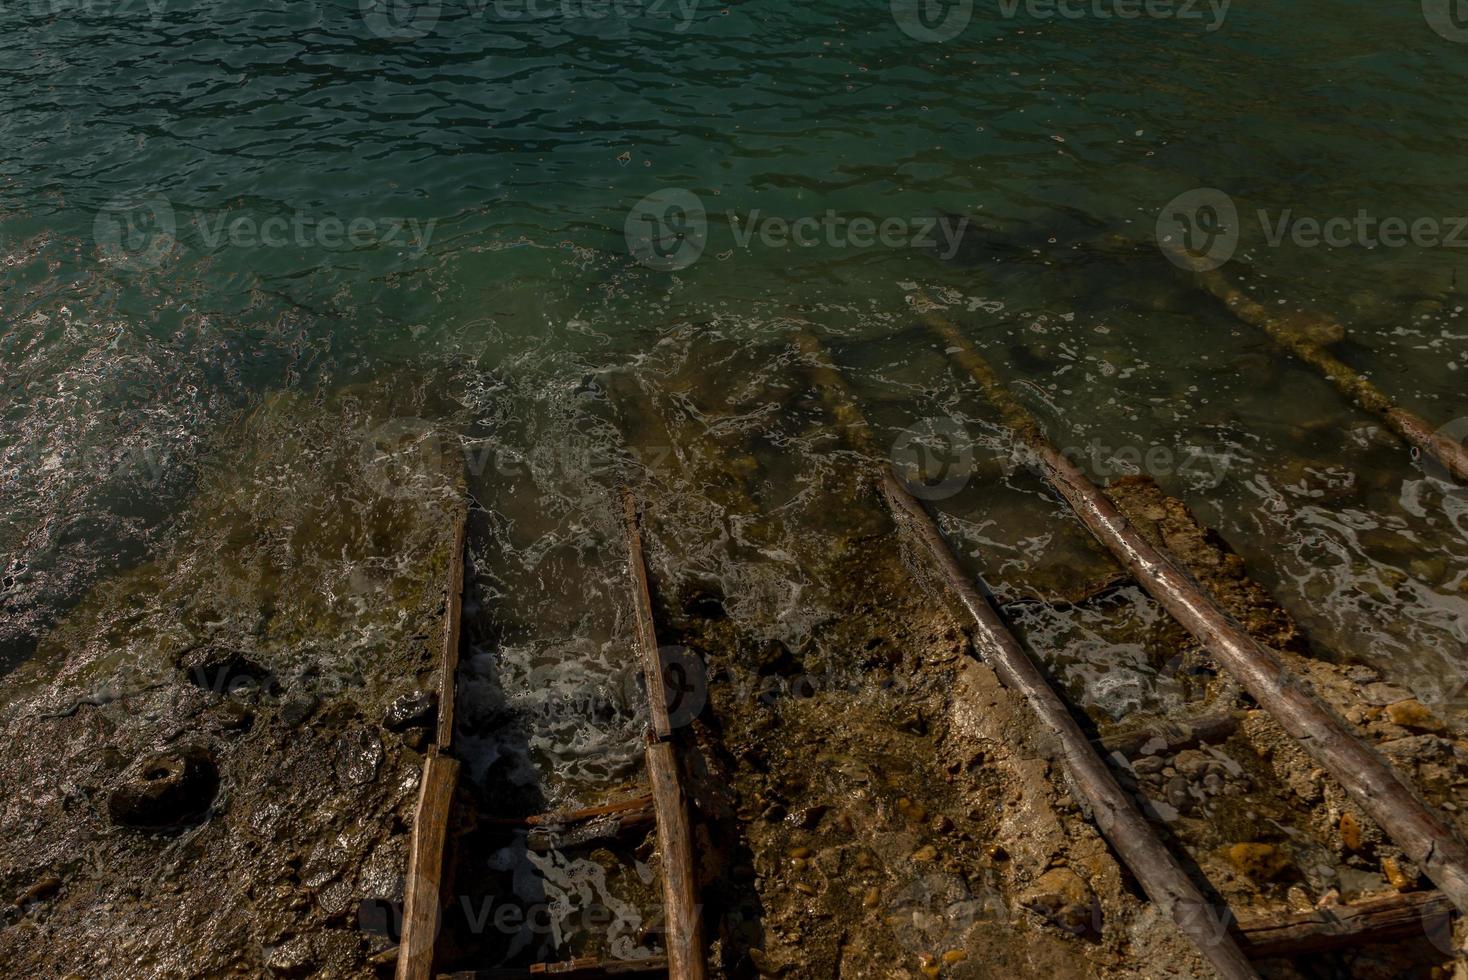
x: 537, y: 221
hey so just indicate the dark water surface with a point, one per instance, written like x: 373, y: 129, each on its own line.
x: 205, y: 204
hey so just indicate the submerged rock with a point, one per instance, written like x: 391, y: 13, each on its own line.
x: 166, y: 789
x: 1064, y: 898
x: 225, y: 671
x: 416, y: 709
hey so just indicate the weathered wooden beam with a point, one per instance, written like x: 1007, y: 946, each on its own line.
x: 1113, y: 811
x: 647, y: 637
x: 423, y: 895
x: 1285, y: 330
x: 635, y: 804
x: 1392, y: 917
x: 453, y: 612
x: 684, y: 939
x: 585, y: 968
x: 1371, y: 782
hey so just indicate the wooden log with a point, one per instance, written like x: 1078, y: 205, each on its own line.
x: 1112, y: 809
x: 1285, y: 330
x: 685, y: 948
x: 647, y: 638
x: 684, y: 938
x: 423, y: 895
x: 449, y: 656
x: 1376, y: 920
x: 635, y: 804
x: 1372, y: 783
x: 1174, y: 735
x: 585, y: 968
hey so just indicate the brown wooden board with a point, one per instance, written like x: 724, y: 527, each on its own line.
x: 453, y: 612
x: 422, y: 896
x: 647, y: 637
x: 1392, y: 917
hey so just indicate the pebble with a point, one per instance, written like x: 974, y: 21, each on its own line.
x: 1395, y: 876
x: 1148, y: 764
x: 1177, y: 792
x: 871, y: 899
x: 954, y: 956
x: 1350, y: 831
x: 1413, y: 714
x: 926, y: 853
x: 1260, y: 862
x: 1064, y: 898
x: 804, y: 888
x: 1191, y: 763
x: 942, y: 825
x: 800, y: 852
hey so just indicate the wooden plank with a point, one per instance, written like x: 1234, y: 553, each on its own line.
x: 684, y: 939
x: 585, y: 968
x: 453, y: 612
x: 635, y: 804
x: 1391, y: 917
x: 647, y: 637
x: 675, y: 842
x: 1113, y: 811
x: 1370, y: 781
x: 422, y: 897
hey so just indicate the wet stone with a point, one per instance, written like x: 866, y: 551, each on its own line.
x: 1413, y: 714
x: 1064, y: 899
x: 359, y: 754
x: 297, y: 709
x: 225, y: 671
x: 292, y: 958
x: 165, y: 789
x: 416, y: 709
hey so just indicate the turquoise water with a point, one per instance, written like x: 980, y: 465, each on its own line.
x: 491, y: 163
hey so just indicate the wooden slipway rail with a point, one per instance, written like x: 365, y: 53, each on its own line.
x: 1332, y: 927
x: 685, y: 948
x: 1112, y: 810
x: 423, y: 893
x: 1409, y: 426
x: 1372, y: 783
x: 665, y: 806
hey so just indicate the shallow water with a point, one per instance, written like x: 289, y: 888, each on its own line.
x: 144, y: 148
